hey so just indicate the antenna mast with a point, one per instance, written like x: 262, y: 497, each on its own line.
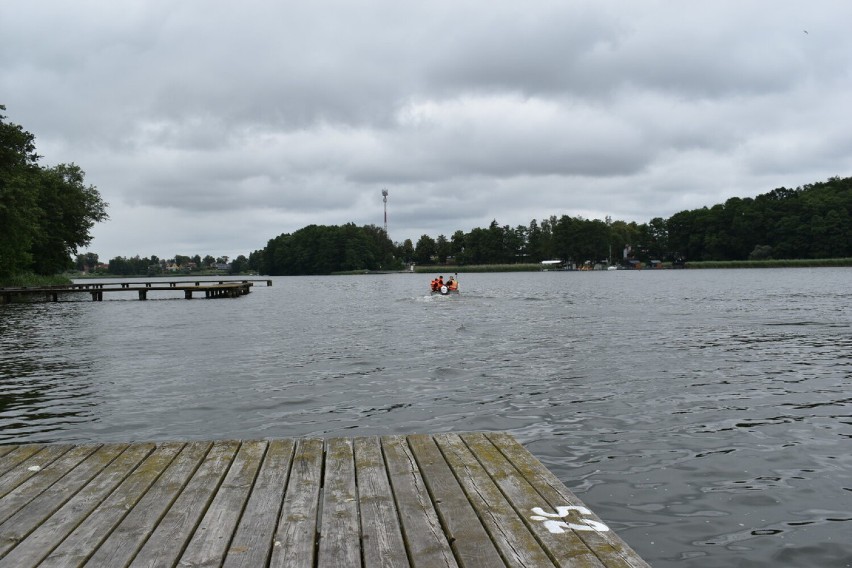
x: 385, y: 199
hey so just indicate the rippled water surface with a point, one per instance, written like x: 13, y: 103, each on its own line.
x: 706, y: 416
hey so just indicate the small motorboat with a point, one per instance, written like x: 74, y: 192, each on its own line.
x: 444, y: 291
x: 444, y: 288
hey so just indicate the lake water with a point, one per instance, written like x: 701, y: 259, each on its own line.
x: 705, y: 415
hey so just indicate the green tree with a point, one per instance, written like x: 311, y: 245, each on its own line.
x: 68, y: 211
x: 457, y: 246
x: 493, y: 244
x: 45, y: 213
x: 407, y: 251
x: 535, y: 242
x: 325, y: 249
x: 119, y: 266
x: 239, y: 265
x: 442, y: 249
x: 425, y: 250
x: 19, y: 207
x: 86, y: 262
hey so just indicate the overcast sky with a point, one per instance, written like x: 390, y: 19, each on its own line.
x: 210, y: 127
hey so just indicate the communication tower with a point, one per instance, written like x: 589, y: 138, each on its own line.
x: 385, y: 199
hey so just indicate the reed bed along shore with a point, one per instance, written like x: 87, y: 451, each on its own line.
x: 790, y: 263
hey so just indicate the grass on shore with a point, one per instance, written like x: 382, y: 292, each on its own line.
x: 30, y: 280
x: 790, y: 263
x: 437, y: 269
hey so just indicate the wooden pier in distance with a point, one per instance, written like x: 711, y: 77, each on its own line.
x: 445, y: 500
x: 210, y: 289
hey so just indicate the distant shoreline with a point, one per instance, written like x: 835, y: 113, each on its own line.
x: 529, y: 267
x: 522, y: 267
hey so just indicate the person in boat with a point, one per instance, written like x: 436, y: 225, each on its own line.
x: 435, y: 286
x: 452, y: 284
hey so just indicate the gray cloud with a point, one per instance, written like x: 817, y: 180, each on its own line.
x: 213, y: 126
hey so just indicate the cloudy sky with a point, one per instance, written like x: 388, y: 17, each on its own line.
x: 210, y: 127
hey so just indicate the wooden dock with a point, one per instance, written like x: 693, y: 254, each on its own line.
x: 210, y: 289
x: 468, y: 500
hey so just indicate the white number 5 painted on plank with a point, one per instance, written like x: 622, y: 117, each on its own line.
x: 558, y: 527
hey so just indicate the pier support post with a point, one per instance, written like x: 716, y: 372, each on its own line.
x: 143, y: 294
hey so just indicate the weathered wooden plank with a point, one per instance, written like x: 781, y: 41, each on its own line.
x: 30, y: 467
x: 134, y: 530
x: 252, y: 543
x: 87, y: 537
x: 469, y: 540
x: 210, y: 542
x: 34, y: 486
x: 340, y: 542
x: 565, y: 549
x: 40, y: 542
x: 296, y: 535
x: 471, y: 501
x: 517, y: 545
x: 14, y: 454
x: 17, y: 526
x: 380, y: 532
x: 611, y: 549
x: 425, y: 539
x: 169, y: 538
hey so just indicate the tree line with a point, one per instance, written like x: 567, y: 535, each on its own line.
x: 804, y: 223
x: 321, y: 249
x: 46, y: 213
x: 809, y: 222
x: 155, y: 266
